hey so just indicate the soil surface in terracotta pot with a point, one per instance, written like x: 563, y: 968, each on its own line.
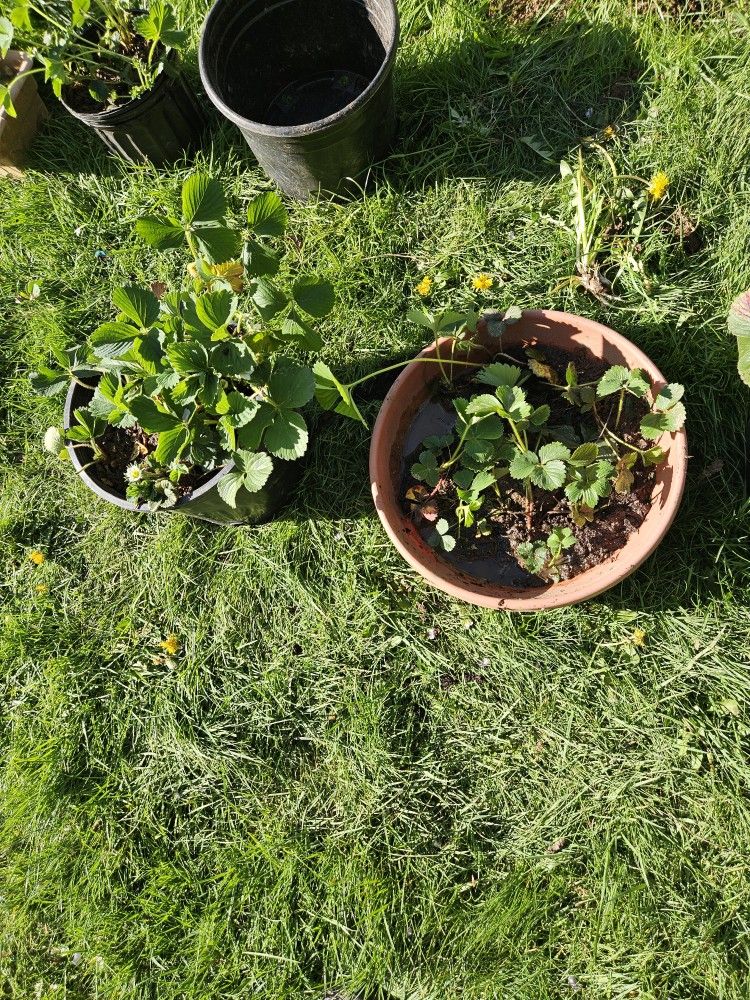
x: 485, y: 572
x: 509, y: 521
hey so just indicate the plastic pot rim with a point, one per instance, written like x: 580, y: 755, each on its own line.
x: 321, y: 125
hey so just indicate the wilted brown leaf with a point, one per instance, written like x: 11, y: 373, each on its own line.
x: 545, y: 371
x: 429, y: 512
x: 625, y: 478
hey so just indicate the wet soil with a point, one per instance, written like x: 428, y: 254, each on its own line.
x: 123, y: 446
x: 492, y: 556
x: 78, y: 96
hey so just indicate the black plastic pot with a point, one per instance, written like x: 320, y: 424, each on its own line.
x: 308, y: 82
x: 204, y: 502
x: 157, y: 127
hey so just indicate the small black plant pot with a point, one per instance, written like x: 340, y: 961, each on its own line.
x: 157, y: 127
x: 309, y: 83
x: 204, y: 502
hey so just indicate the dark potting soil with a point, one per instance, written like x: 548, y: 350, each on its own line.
x: 123, y: 446
x: 315, y: 97
x: 491, y: 557
x: 78, y: 96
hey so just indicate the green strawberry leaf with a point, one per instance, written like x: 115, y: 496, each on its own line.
x: 295, y: 328
x: 266, y: 215
x: 159, y: 233
x: 614, y: 379
x: 203, y: 200
x: 269, y: 300
x: 232, y: 359
x: 739, y: 326
x: 291, y: 385
x: 332, y: 395
x: 523, y: 464
x: 314, y: 296
x: 188, y: 357
x: 218, y: 243
x: 255, y: 467
x: 139, y: 305
x: 214, y: 309
x: 638, y: 382
x: 287, y: 435
x: 499, y: 374
x: 152, y: 419
x: 171, y: 444
x: 585, y: 454
x: 229, y: 486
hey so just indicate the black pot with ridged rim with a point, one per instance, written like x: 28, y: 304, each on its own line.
x: 157, y: 127
x: 309, y: 83
x: 204, y: 502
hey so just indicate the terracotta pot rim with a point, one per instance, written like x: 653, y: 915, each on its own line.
x: 666, y: 498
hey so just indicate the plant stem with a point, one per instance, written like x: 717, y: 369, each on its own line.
x: 457, y: 450
x: 517, y: 436
x: 440, y: 360
x: 529, y: 506
x: 403, y: 364
x: 619, y: 407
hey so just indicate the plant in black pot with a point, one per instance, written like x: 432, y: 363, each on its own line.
x: 190, y: 400
x: 308, y: 83
x: 115, y: 67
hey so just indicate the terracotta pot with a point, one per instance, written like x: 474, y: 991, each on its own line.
x: 411, y: 389
x: 16, y: 134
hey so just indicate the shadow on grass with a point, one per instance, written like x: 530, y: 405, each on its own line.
x: 64, y: 145
x: 465, y: 110
x: 468, y: 110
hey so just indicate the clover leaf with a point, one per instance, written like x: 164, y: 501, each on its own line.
x: 426, y: 469
x: 441, y: 538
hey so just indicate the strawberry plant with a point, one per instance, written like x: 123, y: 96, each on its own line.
x: 204, y: 376
x: 106, y: 49
x: 506, y: 454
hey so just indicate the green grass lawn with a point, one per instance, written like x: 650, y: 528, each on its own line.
x: 346, y: 785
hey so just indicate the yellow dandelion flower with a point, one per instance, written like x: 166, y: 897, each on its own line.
x: 171, y: 645
x: 638, y: 638
x: 424, y: 287
x: 41, y: 588
x: 610, y: 132
x: 658, y: 186
x: 482, y: 282
x: 36, y: 557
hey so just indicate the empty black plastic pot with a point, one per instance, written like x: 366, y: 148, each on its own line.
x: 308, y: 82
x: 157, y: 127
x: 204, y: 502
